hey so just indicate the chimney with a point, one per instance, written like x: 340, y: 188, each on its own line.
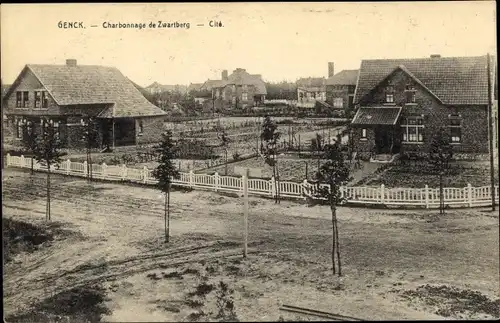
x: 224, y: 75
x: 331, y: 70
x: 435, y: 56
x: 71, y: 62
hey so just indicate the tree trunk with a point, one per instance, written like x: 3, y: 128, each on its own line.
x: 168, y: 214
x: 225, y: 162
x: 332, y: 209
x: 441, y: 197
x: 275, y: 184
x: 32, y: 166
x: 47, y: 215
x: 337, y: 243
x: 165, y: 216
x: 278, y: 190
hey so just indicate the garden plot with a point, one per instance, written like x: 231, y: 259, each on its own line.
x: 385, y: 252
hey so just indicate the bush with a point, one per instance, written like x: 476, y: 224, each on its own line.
x: 236, y: 156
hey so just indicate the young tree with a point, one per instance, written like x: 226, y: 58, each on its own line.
x: 89, y: 137
x: 335, y: 173
x: 440, y: 155
x: 29, y: 140
x: 164, y: 173
x: 222, y: 135
x: 47, y: 151
x: 269, y: 141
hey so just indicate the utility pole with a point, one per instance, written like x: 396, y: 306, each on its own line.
x: 490, y: 126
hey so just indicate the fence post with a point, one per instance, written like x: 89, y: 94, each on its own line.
x: 273, y: 187
x: 68, y: 166
x: 124, y: 172
x: 145, y: 175
x: 104, y: 166
x: 304, y: 189
x: 217, y: 181
x: 7, y: 160
x: 22, y: 162
x: 85, y: 169
x: 469, y: 194
x: 191, y: 179
x: 382, y: 193
x: 426, y: 196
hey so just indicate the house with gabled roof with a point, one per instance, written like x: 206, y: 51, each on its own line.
x: 402, y: 103
x: 69, y: 94
x: 340, y: 89
x: 239, y: 90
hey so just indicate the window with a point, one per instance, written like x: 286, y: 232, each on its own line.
x: 245, y: 87
x: 217, y: 94
x: 56, y: 129
x: 234, y: 100
x: 413, y: 129
x: 141, y: 127
x: 41, y: 100
x: 338, y: 103
x: 19, y: 99
x: 410, y: 92
x: 455, y: 129
x: 223, y: 94
x: 26, y: 99
x: 19, y: 132
x: 363, y: 133
x: 389, y: 93
x: 244, y: 96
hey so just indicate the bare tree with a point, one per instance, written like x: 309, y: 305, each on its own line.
x: 440, y: 155
x: 269, y: 149
x: 335, y: 173
x: 47, y: 151
x: 164, y: 173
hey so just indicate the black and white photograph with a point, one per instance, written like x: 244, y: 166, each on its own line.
x: 249, y: 161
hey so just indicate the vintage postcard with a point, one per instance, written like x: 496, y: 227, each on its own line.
x: 182, y: 162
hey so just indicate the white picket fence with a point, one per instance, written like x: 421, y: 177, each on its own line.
x: 413, y: 197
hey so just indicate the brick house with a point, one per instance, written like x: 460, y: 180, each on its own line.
x: 340, y: 90
x: 401, y: 103
x: 240, y: 90
x: 69, y: 93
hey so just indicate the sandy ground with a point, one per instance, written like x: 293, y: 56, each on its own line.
x: 118, y: 240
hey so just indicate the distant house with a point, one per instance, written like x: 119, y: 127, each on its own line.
x: 156, y: 87
x: 69, y: 93
x: 402, y: 103
x: 340, y: 89
x: 239, y: 90
x: 311, y: 89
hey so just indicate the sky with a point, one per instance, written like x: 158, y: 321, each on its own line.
x: 280, y: 41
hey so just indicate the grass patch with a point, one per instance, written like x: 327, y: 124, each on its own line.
x: 80, y: 304
x: 454, y: 302
x: 19, y: 236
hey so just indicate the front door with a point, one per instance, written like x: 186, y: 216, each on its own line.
x: 383, y: 138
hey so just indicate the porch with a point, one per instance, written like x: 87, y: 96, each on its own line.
x: 378, y: 132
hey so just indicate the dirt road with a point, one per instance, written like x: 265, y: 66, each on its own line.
x: 117, y: 239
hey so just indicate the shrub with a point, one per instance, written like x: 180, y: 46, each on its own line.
x: 236, y: 156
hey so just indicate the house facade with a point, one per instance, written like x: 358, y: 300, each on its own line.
x: 340, y: 90
x: 70, y: 94
x: 240, y: 90
x: 311, y: 89
x: 402, y: 103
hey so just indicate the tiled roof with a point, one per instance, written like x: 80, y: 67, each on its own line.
x: 238, y: 77
x: 194, y: 87
x: 345, y: 77
x: 376, y: 116
x: 89, y: 84
x: 454, y: 80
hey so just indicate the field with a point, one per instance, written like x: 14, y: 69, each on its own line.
x: 109, y: 246
x: 459, y: 175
